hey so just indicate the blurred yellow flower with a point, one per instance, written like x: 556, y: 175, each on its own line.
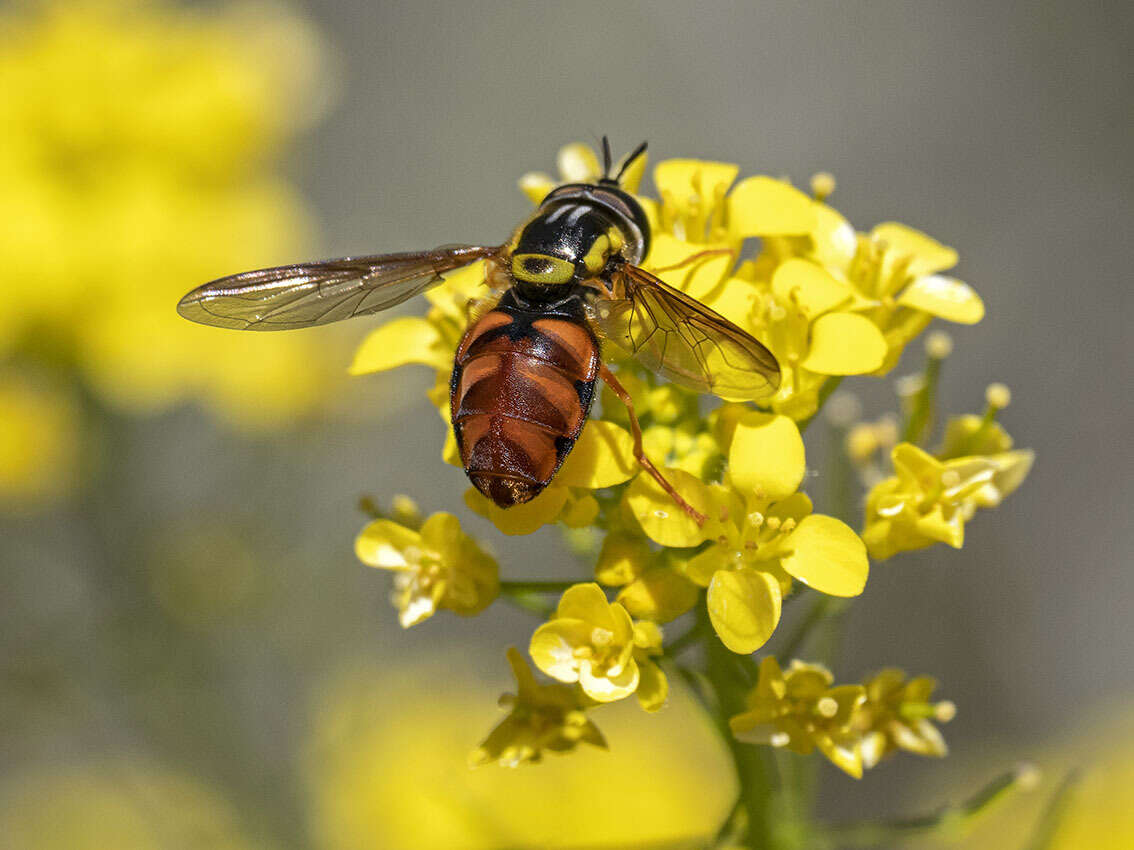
x: 39, y: 443
x: 122, y: 804
x: 1084, y: 793
x: 929, y: 500
x: 437, y: 567
x: 596, y: 643
x: 542, y: 717
x: 800, y: 710
x: 128, y: 180
x: 387, y: 769
x: 897, y: 715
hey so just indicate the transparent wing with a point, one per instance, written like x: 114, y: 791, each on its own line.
x: 308, y: 294
x: 684, y: 341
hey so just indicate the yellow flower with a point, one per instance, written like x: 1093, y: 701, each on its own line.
x: 385, y: 767
x: 39, y: 443
x: 929, y: 500
x: 801, y: 711
x: 897, y: 715
x: 126, y: 181
x: 762, y: 534
x: 124, y: 803
x: 577, y: 163
x: 543, y: 717
x: 437, y: 567
x: 596, y: 643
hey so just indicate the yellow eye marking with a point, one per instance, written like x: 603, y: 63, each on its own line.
x: 541, y: 268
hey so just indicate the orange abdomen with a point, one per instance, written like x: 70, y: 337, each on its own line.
x: 521, y: 390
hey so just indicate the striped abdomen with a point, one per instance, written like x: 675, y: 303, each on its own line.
x: 522, y: 386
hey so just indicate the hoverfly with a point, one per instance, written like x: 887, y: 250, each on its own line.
x: 524, y: 374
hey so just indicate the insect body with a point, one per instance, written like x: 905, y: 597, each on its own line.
x: 523, y: 382
x: 524, y: 374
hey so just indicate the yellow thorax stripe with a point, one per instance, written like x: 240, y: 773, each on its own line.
x: 542, y: 268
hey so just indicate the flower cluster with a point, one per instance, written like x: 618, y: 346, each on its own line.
x: 597, y: 644
x: 829, y: 302
x: 438, y: 566
x: 930, y: 497
x: 855, y: 726
x: 542, y: 717
x: 126, y: 181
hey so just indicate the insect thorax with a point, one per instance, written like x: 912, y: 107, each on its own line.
x: 573, y: 236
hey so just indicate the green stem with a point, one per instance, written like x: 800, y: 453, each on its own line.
x: 510, y: 588
x: 951, y: 822
x: 531, y: 602
x: 754, y: 765
x: 822, y: 608
x: 922, y: 407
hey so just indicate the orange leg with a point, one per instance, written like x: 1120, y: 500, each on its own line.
x: 692, y: 258
x: 640, y: 452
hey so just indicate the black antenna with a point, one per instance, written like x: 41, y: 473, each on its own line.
x: 637, y: 152
x: 606, y: 158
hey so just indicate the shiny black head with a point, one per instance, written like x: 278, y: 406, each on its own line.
x: 578, y: 231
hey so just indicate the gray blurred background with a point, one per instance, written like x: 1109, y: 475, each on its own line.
x: 1001, y: 129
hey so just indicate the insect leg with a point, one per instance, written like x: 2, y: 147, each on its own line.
x: 639, y: 451
x: 694, y: 258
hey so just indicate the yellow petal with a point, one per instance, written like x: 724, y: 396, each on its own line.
x: 764, y: 206
x: 622, y: 559
x: 661, y: 594
x: 536, y: 185
x: 577, y: 163
x: 766, y: 455
x: 451, y: 452
x: 653, y: 687
x: 944, y: 297
x: 632, y: 176
x: 608, y: 688
x: 696, y: 278
x: 585, y: 601
x: 845, y: 344
x: 660, y: 517
x: 684, y: 178
x: 810, y: 286
x: 580, y: 512
x: 553, y: 646
x: 736, y: 300
x: 744, y: 607
x: 402, y: 341
x: 520, y: 519
x: 846, y: 756
x: 701, y: 568
x: 834, y: 240
x: 383, y: 543
x: 603, y: 456
x: 827, y: 555
x: 928, y: 255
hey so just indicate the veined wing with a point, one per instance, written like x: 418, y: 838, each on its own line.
x: 308, y: 294
x: 684, y: 341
